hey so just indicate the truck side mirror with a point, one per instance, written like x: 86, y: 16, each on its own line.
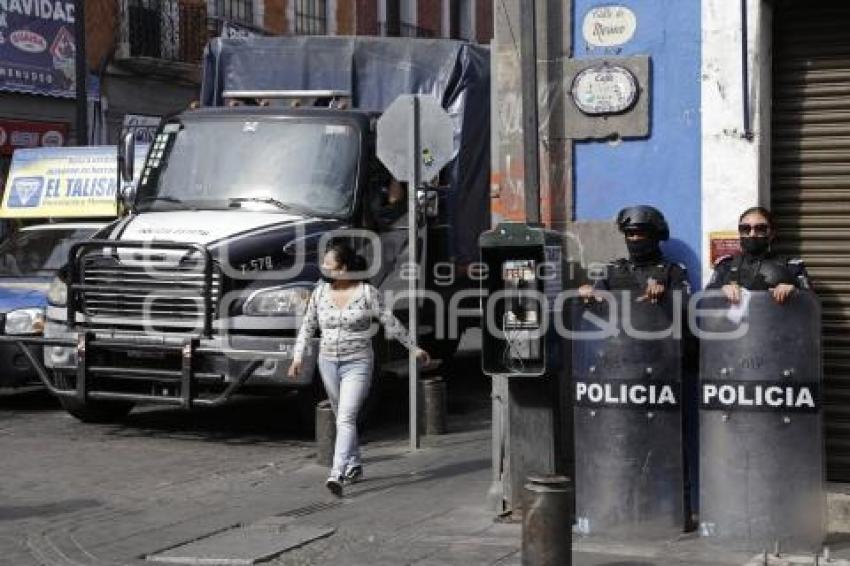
x: 127, y: 156
x: 128, y: 196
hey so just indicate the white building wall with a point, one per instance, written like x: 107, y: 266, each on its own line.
x: 735, y: 170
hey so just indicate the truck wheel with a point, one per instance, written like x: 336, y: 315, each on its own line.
x: 96, y: 411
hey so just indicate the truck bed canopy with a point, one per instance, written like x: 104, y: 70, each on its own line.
x: 376, y: 71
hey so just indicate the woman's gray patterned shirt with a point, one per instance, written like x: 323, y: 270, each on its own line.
x: 347, y: 332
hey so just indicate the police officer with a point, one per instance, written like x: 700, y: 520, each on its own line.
x: 757, y: 268
x: 646, y: 270
x: 648, y: 273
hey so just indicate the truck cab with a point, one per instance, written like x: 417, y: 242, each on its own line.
x: 199, y: 290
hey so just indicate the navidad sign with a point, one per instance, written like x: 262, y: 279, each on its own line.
x: 37, y: 47
x: 64, y: 182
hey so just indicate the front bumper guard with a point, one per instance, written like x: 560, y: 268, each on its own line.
x: 186, y: 377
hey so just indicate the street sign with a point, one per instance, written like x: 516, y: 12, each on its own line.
x: 434, y: 146
x: 415, y: 141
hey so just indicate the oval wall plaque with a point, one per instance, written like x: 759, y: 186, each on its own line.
x: 604, y: 89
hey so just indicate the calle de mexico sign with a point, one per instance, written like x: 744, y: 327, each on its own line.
x: 609, y: 26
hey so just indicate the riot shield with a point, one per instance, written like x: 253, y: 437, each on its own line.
x: 628, y: 417
x: 761, y: 442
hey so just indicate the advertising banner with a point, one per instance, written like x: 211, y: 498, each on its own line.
x: 18, y: 134
x: 67, y: 182
x: 37, y: 47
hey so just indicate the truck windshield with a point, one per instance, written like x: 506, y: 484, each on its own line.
x: 31, y: 253
x: 308, y: 167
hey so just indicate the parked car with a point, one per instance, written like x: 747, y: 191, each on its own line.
x: 29, y: 260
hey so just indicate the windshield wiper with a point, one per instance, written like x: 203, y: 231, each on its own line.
x: 165, y: 199
x: 266, y: 200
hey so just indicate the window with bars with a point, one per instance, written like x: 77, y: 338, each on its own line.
x: 239, y: 11
x: 164, y: 29
x: 311, y: 17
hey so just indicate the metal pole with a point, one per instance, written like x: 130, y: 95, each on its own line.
x: 81, y: 72
x: 745, y: 72
x: 412, y: 282
x: 530, y: 122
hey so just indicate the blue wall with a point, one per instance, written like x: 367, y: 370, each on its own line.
x: 664, y: 169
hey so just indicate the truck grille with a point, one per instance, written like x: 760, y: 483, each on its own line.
x: 147, y: 288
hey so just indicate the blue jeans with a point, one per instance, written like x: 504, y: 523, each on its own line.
x: 347, y: 385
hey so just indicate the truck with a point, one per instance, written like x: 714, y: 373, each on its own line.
x: 197, y: 292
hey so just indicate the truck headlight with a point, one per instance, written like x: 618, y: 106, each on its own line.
x: 278, y: 301
x: 57, y: 293
x: 24, y: 322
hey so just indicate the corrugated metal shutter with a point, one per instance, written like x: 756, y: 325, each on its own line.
x: 811, y: 183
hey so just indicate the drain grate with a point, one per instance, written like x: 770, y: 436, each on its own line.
x: 310, y: 509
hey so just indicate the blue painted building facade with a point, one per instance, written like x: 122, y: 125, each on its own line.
x: 663, y: 169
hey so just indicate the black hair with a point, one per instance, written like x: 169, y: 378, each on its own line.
x: 758, y: 210
x: 347, y: 257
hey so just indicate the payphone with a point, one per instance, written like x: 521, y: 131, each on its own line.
x: 522, y: 350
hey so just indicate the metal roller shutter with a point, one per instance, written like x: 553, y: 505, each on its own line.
x: 811, y: 183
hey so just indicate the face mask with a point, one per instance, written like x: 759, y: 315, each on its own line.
x: 642, y: 249
x: 755, y: 246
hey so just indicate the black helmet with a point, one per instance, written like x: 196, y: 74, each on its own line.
x: 646, y: 217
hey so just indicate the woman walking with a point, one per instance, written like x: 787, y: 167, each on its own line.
x: 343, y: 308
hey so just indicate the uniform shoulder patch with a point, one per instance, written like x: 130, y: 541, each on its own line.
x: 723, y: 259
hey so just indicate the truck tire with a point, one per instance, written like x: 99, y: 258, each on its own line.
x: 100, y: 412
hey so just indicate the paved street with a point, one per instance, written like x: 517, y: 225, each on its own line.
x: 63, y: 480
x: 84, y: 494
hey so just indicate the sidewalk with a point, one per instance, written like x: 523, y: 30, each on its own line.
x: 424, y: 507
x: 428, y: 508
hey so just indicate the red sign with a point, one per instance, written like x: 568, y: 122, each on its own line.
x: 723, y: 244
x: 15, y: 134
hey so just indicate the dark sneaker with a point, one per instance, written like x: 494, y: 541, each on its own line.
x: 353, y: 475
x: 334, y: 485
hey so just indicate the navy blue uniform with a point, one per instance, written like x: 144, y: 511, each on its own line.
x: 623, y: 274
x: 759, y: 273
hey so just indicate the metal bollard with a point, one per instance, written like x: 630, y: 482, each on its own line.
x: 432, y: 408
x: 547, y: 531
x: 325, y: 433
